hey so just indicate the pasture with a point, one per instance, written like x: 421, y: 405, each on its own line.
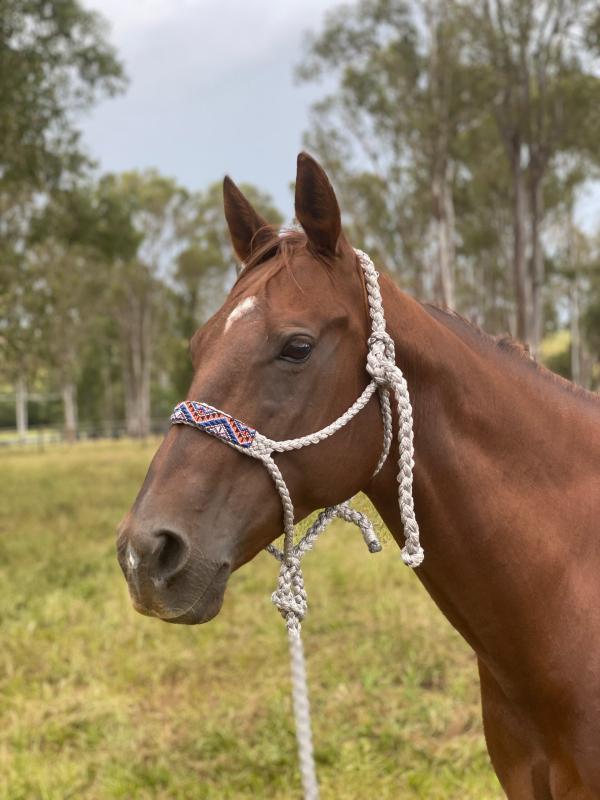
x: 99, y: 702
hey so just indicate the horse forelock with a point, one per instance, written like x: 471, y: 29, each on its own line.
x: 278, y: 253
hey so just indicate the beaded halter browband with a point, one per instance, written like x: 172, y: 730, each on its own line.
x: 290, y: 596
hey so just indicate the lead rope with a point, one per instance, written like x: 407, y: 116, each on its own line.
x: 290, y: 596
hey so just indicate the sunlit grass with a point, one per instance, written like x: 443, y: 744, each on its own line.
x: 35, y: 436
x: 98, y: 702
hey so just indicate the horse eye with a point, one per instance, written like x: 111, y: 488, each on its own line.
x: 296, y: 350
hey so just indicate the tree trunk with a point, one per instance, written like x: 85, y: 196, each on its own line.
x: 146, y: 350
x: 132, y: 381
x: 447, y: 261
x: 131, y: 419
x: 136, y: 331
x: 520, y: 272
x: 537, y: 265
x: 575, y: 335
x: 21, y: 407
x: 443, y: 203
x: 441, y: 170
x: 69, y: 399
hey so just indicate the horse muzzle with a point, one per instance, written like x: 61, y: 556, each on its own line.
x: 166, y: 579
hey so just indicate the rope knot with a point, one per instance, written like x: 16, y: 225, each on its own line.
x: 290, y: 595
x: 381, y: 358
x: 413, y: 554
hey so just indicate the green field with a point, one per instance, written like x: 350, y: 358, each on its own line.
x: 99, y: 702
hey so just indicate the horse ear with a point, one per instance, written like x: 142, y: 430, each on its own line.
x: 247, y: 228
x: 317, y: 208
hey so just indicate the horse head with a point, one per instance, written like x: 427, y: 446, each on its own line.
x: 286, y: 355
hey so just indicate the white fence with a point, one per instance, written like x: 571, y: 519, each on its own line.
x: 43, y: 435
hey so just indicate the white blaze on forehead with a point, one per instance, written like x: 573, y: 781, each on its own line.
x: 243, y: 308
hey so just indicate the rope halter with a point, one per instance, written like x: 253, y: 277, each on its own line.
x: 386, y: 377
x: 290, y: 596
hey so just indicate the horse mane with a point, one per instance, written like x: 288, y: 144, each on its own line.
x: 508, y: 345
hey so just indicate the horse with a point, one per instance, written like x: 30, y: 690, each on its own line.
x: 506, y: 479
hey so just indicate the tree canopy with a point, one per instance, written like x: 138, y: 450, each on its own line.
x: 456, y: 129
x: 55, y: 61
x: 460, y: 136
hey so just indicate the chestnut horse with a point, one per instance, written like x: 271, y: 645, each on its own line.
x: 506, y: 481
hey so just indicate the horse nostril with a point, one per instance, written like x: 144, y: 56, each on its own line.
x: 171, y: 555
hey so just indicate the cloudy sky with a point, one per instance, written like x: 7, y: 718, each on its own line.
x: 211, y: 90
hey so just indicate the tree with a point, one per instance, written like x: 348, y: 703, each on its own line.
x: 448, y: 117
x: 205, y: 268
x: 581, y: 271
x: 152, y: 208
x: 55, y: 61
x: 484, y: 252
x: 68, y: 285
x: 19, y: 334
x: 206, y: 265
x: 539, y: 84
x: 124, y: 271
x: 74, y: 241
x: 591, y: 327
x: 400, y: 105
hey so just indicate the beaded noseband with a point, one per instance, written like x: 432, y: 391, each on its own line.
x: 290, y: 596
x: 386, y: 376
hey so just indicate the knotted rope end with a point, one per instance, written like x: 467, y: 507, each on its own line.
x: 413, y: 556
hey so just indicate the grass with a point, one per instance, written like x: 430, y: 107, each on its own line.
x: 98, y: 702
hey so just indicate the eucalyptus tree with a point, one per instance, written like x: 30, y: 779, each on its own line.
x: 19, y: 334
x: 391, y: 128
x: 451, y: 129
x: 539, y: 81
x: 151, y: 207
x: 206, y: 266
x: 55, y: 62
x: 591, y: 328
x: 74, y: 242
x: 68, y: 289
x: 18, y: 354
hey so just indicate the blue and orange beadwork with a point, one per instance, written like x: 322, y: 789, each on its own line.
x: 213, y: 421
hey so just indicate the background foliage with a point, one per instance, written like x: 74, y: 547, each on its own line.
x: 459, y: 135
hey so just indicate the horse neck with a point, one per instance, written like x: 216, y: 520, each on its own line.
x: 490, y: 440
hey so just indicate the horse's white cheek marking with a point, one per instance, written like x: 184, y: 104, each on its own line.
x: 243, y: 308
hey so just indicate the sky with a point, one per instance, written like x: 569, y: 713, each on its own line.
x: 211, y: 90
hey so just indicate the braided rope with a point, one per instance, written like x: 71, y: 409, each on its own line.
x: 291, y: 600
x: 262, y: 444
x: 290, y: 596
x: 381, y: 365
x: 306, y: 758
